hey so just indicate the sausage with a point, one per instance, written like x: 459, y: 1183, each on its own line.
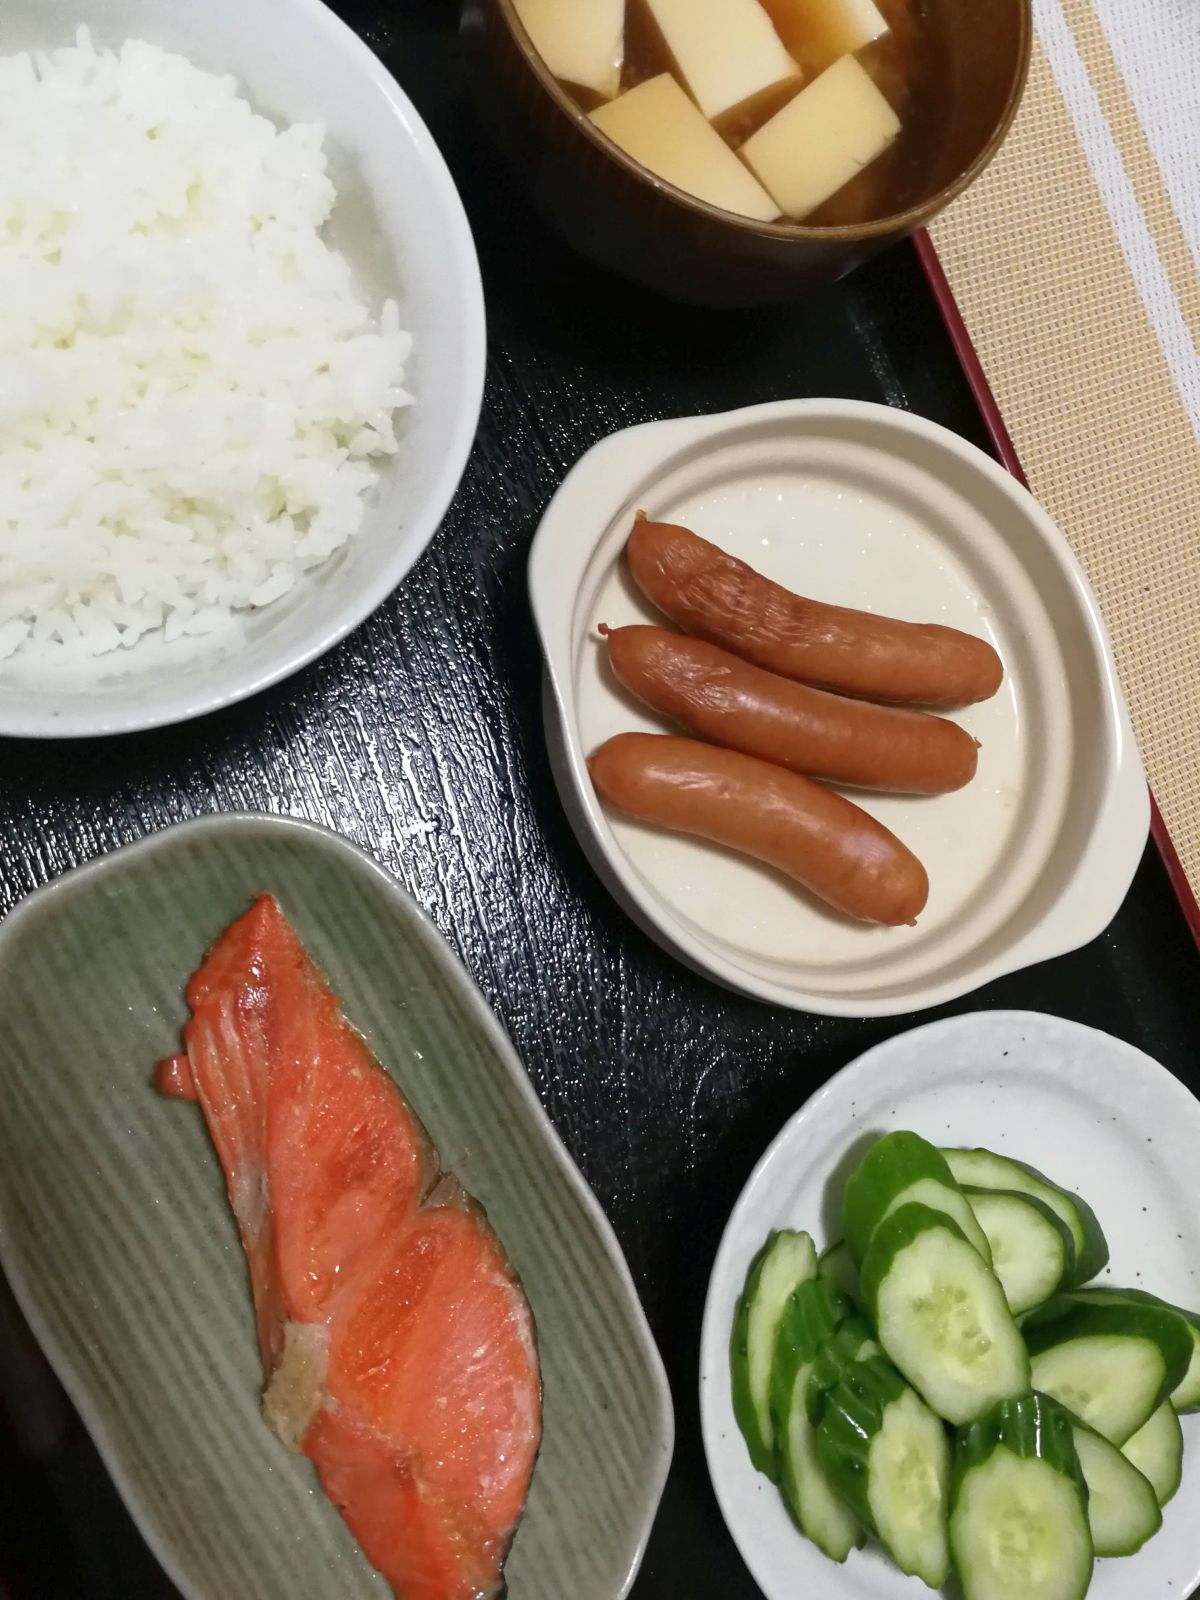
x: 827, y: 844
x: 730, y: 702
x: 721, y: 599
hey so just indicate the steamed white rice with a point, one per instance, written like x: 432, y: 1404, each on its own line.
x: 192, y: 393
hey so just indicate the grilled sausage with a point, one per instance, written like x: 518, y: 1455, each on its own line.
x: 721, y: 599
x: 719, y: 697
x: 830, y: 846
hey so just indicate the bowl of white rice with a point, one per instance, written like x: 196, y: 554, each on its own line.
x: 241, y: 352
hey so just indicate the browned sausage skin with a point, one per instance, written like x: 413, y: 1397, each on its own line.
x: 830, y: 846
x: 719, y: 697
x: 718, y: 598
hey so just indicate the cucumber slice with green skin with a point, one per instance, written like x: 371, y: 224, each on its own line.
x: 1156, y: 1450
x: 1031, y: 1247
x: 1018, y: 1506
x: 820, y: 1512
x: 785, y: 1262
x: 899, y: 1169
x: 812, y: 1317
x: 813, y: 1314
x: 1122, y: 1507
x: 837, y: 1265
x: 852, y: 1341
x: 887, y: 1455
x: 1111, y: 1362
x: 982, y: 1169
x: 940, y: 1314
x: 1186, y: 1395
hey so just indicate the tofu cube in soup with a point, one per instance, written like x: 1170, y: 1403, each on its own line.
x: 659, y: 127
x: 581, y: 41
x: 816, y: 33
x: 726, y: 53
x: 822, y: 138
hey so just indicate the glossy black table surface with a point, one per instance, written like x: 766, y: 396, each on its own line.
x: 420, y: 738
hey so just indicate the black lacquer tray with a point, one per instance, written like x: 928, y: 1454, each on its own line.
x: 420, y: 738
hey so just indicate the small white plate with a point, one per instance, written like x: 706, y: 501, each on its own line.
x: 1095, y: 1114
x: 874, y: 508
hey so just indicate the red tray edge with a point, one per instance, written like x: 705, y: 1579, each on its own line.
x: 1002, y: 442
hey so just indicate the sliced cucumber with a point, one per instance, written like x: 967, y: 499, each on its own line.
x: 908, y: 1484
x: 941, y: 1316
x: 852, y: 1341
x: 821, y: 1513
x: 1112, y: 1363
x: 786, y: 1260
x: 981, y: 1169
x: 813, y: 1314
x: 1018, y: 1518
x: 1031, y: 1246
x: 887, y: 1455
x: 837, y: 1264
x: 1186, y: 1394
x: 1156, y: 1450
x: 1109, y: 1380
x: 815, y: 1311
x: 1122, y: 1506
x: 899, y: 1169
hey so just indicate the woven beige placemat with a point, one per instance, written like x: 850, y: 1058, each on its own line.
x: 1071, y: 263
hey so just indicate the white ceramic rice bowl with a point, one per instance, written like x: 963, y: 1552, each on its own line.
x: 400, y: 222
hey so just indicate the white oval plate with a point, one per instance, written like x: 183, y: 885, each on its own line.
x: 1097, y: 1115
x: 870, y: 507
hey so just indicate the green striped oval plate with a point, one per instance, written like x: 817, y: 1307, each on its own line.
x: 118, y: 1241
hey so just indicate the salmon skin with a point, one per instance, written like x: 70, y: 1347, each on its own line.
x: 399, y: 1352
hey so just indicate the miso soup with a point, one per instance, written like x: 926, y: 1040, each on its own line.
x: 853, y: 149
